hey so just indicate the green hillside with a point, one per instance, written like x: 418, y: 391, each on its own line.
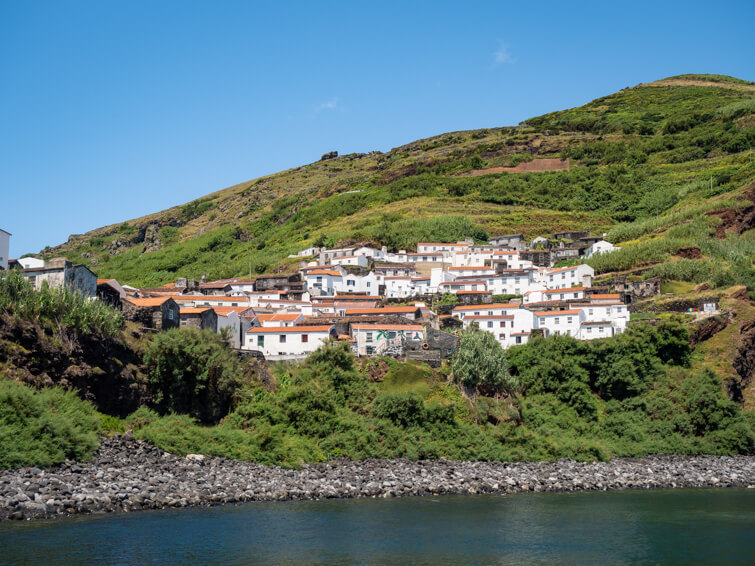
x: 660, y: 166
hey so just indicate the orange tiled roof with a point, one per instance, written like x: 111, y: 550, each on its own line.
x: 281, y: 329
x: 378, y: 326
x: 557, y: 313
x: 490, y: 306
x: 147, y: 302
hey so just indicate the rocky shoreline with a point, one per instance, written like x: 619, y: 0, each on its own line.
x: 129, y: 475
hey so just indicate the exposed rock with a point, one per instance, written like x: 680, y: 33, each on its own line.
x: 329, y: 155
x: 707, y: 329
x: 744, y: 362
x: 129, y: 475
x: 152, y: 241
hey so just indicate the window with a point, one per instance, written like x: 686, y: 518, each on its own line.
x: 369, y: 284
x: 170, y: 314
x: 282, y: 339
x: 369, y: 337
x: 350, y: 282
x: 370, y: 350
x: 589, y: 311
x: 589, y: 329
x: 260, y: 341
x: 542, y: 321
x: 502, y: 337
x: 490, y: 324
x: 518, y: 339
x: 556, y: 320
x: 503, y: 324
x: 304, y: 338
x: 391, y: 335
x: 234, y: 304
x: 568, y: 320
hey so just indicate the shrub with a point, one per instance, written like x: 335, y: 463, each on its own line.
x: 403, y: 409
x: 42, y: 428
x: 192, y: 371
x: 481, y: 363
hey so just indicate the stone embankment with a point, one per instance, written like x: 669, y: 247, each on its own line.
x: 130, y: 475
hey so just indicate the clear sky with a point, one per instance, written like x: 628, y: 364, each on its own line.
x: 110, y: 110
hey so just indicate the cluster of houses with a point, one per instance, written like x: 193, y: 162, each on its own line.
x: 375, y: 300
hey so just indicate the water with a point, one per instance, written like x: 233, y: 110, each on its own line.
x: 648, y: 527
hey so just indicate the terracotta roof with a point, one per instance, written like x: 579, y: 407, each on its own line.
x: 282, y: 329
x: 490, y: 306
x: 557, y: 313
x: 100, y: 281
x: 311, y: 267
x: 220, y: 299
x: 490, y: 317
x: 560, y: 269
x: 194, y: 310
x: 505, y: 252
x: 596, y: 323
x: 147, y: 302
x: 279, y: 317
x: 417, y: 327
x: 520, y: 334
x: 225, y: 311
x: 606, y: 296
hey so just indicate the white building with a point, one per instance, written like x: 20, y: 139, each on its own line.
x: 398, y: 286
x: 323, y: 281
x: 287, y: 343
x: 356, y: 260
x: 566, y: 277
x: 358, y: 284
x: 600, y: 247
x: 5, y: 249
x: 554, y: 323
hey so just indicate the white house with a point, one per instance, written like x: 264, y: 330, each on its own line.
x: 377, y: 339
x: 566, y: 277
x: 590, y: 330
x: 215, y: 301
x: 616, y: 314
x: 398, y: 286
x: 323, y: 281
x: 5, y: 249
x: 559, y: 322
x: 357, y: 260
x: 287, y: 343
x: 279, y: 319
x: 359, y: 284
x: 494, y: 309
x: 600, y: 247
x: 242, y: 286
x: 430, y: 247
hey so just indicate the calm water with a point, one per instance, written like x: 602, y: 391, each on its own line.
x: 656, y: 527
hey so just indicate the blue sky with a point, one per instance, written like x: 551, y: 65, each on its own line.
x: 113, y: 110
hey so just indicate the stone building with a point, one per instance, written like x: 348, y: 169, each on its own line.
x: 59, y: 273
x: 201, y: 318
x: 160, y: 313
x: 632, y: 291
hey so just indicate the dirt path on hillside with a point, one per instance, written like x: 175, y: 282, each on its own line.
x: 534, y: 166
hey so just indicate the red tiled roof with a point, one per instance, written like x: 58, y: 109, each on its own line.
x: 147, y: 302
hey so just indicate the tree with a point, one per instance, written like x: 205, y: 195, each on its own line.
x: 481, y: 364
x: 192, y: 372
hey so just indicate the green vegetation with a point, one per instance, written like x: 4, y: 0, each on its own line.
x: 60, y: 308
x: 481, y: 363
x: 42, y: 428
x: 193, y: 372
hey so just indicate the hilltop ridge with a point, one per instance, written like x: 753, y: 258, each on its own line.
x: 655, y: 148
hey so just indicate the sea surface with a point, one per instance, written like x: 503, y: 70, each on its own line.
x: 630, y: 527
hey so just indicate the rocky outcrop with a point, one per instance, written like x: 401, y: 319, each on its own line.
x: 744, y: 361
x: 105, y: 371
x: 130, y: 475
x: 707, y: 329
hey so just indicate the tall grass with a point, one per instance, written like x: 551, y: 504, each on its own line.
x: 60, y: 307
x: 633, y: 230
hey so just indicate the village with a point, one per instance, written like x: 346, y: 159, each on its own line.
x: 402, y: 304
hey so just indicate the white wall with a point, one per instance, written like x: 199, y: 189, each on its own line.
x: 5, y: 249
x: 294, y: 344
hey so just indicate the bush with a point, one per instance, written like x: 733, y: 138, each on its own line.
x: 42, y: 428
x: 481, y: 363
x: 193, y: 372
x: 403, y: 409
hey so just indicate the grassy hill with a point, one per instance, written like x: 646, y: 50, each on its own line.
x: 658, y: 166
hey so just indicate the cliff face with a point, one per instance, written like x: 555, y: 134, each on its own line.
x: 105, y: 371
